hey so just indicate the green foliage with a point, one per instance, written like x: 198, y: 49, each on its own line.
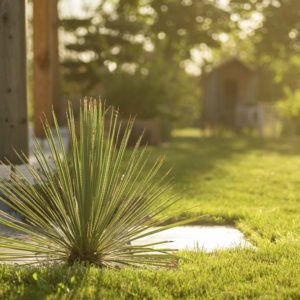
x: 160, y: 91
x: 289, y: 109
x: 135, y: 94
x: 290, y: 106
x: 280, y: 31
x: 278, y: 35
x: 277, y: 45
x: 140, y: 47
x: 95, y: 203
x: 123, y: 35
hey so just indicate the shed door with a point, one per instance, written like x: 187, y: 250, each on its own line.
x: 230, y: 97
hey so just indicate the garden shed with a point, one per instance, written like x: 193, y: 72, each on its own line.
x: 230, y: 100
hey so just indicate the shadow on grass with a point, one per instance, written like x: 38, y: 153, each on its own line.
x: 199, y: 161
x: 57, y: 281
x: 63, y: 282
x: 191, y: 157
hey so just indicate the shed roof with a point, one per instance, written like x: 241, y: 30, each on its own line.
x: 228, y: 63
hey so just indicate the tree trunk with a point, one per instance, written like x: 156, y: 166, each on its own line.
x: 13, y: 94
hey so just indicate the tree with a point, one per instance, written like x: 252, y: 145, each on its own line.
x: 140, y: 45
x: 279, y: 43
x: 274, y: 44
x: 280, y: 33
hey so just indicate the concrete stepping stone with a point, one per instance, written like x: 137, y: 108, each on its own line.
x: 205, y: 238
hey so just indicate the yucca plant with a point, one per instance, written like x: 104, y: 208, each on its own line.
x: 89, y: 202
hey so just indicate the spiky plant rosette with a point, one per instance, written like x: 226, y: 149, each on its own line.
x: 89, y: 202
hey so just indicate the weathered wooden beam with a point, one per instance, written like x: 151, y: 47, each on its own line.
x: 42, y: 77
x: 13, y: 93
x: 45, y: 48
x: 54, y: 57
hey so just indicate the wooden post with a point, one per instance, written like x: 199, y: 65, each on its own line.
x: 13, y: 93
x: 45, y: 44
x: 54, y: 57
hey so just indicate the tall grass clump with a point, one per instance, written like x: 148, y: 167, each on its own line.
x: 89, y: 202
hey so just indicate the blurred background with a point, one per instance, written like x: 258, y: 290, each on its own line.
x: 217, y: 65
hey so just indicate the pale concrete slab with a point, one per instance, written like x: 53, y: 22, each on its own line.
x: 5, y: 172
x: 205, y: 238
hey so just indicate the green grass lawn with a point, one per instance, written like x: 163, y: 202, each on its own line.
x: 252, y: 183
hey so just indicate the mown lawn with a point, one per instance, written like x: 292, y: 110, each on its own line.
x: 252, y: 183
